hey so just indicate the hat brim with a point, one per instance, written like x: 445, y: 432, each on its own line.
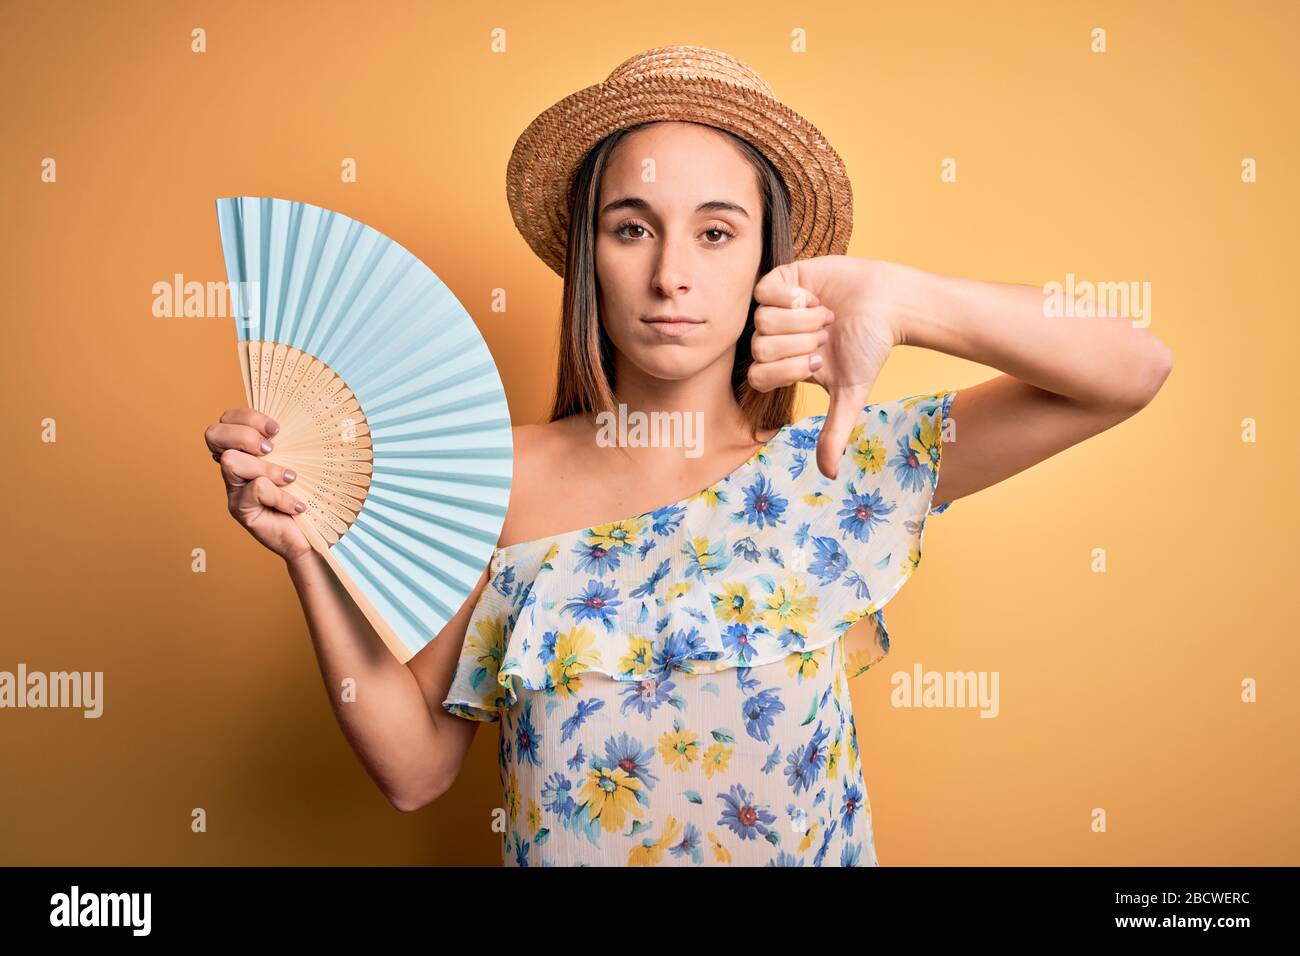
x: 547, y: 154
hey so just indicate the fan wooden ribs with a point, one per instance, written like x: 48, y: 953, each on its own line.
x: 323, y: 436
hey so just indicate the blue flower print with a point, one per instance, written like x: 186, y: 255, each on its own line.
x: 557, y: 795
x: 628, y: 755
x: 785, y: 859
x: 745, y: 548
x: 664, y: 521
x: 527, y: 739
x: 742, y: 816
x: 826, y: 843
x: 851, y: 806
x: 691, y: 844
x: 584, y: 710
x: 830, y: 560
x: 680, y: 648
x: 759, y: 713
x: 595, y: 558
x: 598, y: 603
x: 912, y: 473
x: 738, y: 642
x: 863, y: 512
x: 646, y: 696
x: 805, y: 764
x: 763, y: 506
x: 505, y: 580
x: 647, y: 588
x: 521, y: 851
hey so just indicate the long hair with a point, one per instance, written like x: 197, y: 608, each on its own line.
x: 585, y: 379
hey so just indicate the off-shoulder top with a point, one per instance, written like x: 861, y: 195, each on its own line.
x: 671, y: 688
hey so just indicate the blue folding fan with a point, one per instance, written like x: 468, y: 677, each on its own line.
x: 390, y: 405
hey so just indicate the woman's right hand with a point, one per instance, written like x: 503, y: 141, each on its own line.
x: 255, y: 487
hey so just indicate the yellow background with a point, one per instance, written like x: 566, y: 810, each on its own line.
x: 1118, y: 690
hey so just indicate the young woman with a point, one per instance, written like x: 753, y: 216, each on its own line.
x: 665, y: 637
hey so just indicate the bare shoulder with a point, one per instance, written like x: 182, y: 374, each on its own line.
x: 539, y: 452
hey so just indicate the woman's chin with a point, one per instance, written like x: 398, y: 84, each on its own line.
x: 672, y: 363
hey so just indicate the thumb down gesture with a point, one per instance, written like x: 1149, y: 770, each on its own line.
x: 826, y: 320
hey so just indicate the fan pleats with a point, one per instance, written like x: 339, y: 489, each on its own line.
x: 391, y: 408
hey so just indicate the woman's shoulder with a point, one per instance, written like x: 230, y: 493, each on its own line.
x: 540, y: 451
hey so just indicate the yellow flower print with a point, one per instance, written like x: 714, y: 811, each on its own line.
x: 833, y: 759
x: 852, y: 617
x: 715, y: 759
x: 788, y: 607
x: 720, y: 852
x: 487, y: 645
x: 677, y: 590
x: 859, y: 662
x: 639, y: 656
x: 534, y: 817
x: 928, y: 445
x: 679, y: 747
x: 616, y: 534
x: 809, y: 836
x: 575, y: 653
x: 709, y: 559
x: 512, y: 798
x: 912, y: 561
x: 551, y: 552
x: 804, y: 664
x: 651, y: 853
x: 734, y: 603
x: 818, y: 499
x: 869, y: 455
x: 610, y: 795
x: 915, y: 400
x: 711, y: 496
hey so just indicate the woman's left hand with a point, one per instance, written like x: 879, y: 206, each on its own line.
x: 829, y: 320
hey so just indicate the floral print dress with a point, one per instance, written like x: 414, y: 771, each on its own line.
x: 672, y: 688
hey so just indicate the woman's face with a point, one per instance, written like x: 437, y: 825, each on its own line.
x: 679, y: 232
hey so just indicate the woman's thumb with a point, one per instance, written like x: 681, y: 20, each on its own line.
x: 841, y: 416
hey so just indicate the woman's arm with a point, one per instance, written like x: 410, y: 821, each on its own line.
x: 1066, y: 378
x: 410, y: 746
x: 834, y: 320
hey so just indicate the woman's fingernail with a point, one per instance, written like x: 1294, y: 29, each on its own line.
x: 290, y: 474
x: 266, y: 447
x: 815, y: 362
x: 272, y: 426
x: 300, y: 507
x: 830, y: 317
x: 823, y: 337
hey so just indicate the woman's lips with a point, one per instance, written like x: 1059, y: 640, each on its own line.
x: 674, y: 329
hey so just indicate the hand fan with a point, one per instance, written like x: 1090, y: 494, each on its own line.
x: 390, y: 407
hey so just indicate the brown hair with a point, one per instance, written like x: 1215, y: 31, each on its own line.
x: 584, y: 382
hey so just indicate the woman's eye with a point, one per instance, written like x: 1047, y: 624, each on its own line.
x: 715, y: 236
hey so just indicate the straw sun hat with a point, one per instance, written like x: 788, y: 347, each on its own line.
x: 687, y: 83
